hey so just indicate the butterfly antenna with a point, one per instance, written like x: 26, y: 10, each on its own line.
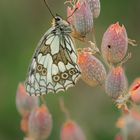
x: 72, y: 13
x: 49, y: 9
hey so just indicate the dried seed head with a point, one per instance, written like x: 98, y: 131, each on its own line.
x: 95, y: 7
x: 135, y: 91
x: 114, y: 43
x: 71, y: 131
x: 40, y: 123
x: 116, y: 82
x: 82, y: 20
x: 24, y: 102
x: 93, y: 71
x: 121, y: 103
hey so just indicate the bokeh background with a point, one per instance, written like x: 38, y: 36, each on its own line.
x: 22, y: 23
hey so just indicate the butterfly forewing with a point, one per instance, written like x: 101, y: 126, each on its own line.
x: 54, y: 65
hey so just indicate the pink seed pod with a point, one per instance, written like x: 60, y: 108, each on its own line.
x: 95, y: 7
x: 71, y: 131
x: 82, y: 20
x: 118, y: 137
x: 135, y: 114
x: 116, y: 82
x: 24, y: 102
x: 114, y: 43
x: 135, y: 91
x: 24, y: 124
x: 69, y: 13
x: 28, y: 138
x: 40, y: 123
x: 93, y: 71
x: 132, y: 125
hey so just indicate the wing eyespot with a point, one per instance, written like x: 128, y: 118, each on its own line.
x: 64, y: 75
x: 39, y: 68
x: 72, y: 71
x: 44, y: 72
x: 56, y: 78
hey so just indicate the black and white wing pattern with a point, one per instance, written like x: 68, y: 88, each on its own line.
x: 54, y: 65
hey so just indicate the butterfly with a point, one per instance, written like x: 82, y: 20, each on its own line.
x: 54, y: 65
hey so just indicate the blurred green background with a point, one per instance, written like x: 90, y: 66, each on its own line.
x: 22, y: 23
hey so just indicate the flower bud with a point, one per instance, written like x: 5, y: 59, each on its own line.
x: 40, y: 123
x: 71, y: 131
x: 114, y: 43
x: 135, y: 91
x: 24, y: 102
x: 93, y: 71
x: 82, y: 20
x: 116, y: 82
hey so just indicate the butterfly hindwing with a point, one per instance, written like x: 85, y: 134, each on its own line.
x: 54, y: 65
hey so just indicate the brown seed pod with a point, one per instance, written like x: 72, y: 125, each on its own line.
x: 93, y: 71
x: 116, y: 82
x: 114, y: 43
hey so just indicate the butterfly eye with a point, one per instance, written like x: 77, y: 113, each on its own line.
x: 57, y: 18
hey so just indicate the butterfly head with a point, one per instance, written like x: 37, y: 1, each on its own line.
x: 59, y: 21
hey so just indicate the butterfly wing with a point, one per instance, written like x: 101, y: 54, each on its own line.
x: 54, y: 65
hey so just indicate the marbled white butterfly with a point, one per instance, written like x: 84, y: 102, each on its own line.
x: 54, y: 64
